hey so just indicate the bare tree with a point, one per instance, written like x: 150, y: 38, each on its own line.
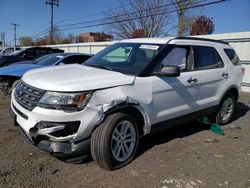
x: 141, y: 18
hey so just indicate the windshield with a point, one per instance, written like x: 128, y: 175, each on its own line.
x: 127, y: 58
x: 50, y: 59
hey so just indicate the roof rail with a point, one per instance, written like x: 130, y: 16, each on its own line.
x: 202, y: 39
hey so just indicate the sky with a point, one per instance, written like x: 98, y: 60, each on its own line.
x: 33, y: 16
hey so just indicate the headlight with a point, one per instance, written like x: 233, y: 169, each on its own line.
x: 65, y: 101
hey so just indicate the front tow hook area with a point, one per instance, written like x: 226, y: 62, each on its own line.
x: 65, y: 151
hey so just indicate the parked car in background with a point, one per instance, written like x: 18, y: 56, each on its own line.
x: 10, y: 74
x: 130, y: 89
x: 27, y: 54
x: 8, y: 50
x: 34, y: 61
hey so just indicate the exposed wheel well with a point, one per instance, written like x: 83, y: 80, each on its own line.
x: 134, y: 112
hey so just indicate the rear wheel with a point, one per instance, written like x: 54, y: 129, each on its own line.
x: 226, y: 109
x: 115, y: 141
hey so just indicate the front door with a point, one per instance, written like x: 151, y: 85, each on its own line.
x: 175, y: 96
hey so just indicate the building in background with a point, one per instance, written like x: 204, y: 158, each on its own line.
x: 95, y: 37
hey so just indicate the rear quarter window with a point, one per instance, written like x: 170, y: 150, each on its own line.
x: 231, y: 54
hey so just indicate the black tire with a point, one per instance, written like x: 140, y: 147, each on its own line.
x: 218, y: 116
x: 102, y: 142
x: 8, y: 90
x: 14, y: 84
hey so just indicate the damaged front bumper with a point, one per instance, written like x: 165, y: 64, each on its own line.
x: 63, y: 150
x: 63, y: 135
x: 66, y: 151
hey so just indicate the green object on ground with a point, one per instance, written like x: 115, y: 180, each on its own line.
x: 214, y: 127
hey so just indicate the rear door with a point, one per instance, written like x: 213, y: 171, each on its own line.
x: 211, y: 75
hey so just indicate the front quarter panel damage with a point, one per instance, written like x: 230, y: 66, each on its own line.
x: 105, y: 101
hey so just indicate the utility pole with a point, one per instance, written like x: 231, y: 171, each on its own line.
x: 15, y: 25
x: 52, y: 3
x: 3, y: 39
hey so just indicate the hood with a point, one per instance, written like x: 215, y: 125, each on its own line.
x: 73, y: 78
x: 17, y: 69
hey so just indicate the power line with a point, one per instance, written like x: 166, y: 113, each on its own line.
x: 30, y: 14
x: 44, y: 32
x: 52, y: 3
x: 129, y: 13
x: 38, y: 31
x: 15, y: 25
x: 100, y: 13
x: 139, y: 17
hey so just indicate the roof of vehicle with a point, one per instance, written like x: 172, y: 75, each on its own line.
x: 148, y: 40
x: 4, y: 48
x: 45, y: 47
x: 168, y: 39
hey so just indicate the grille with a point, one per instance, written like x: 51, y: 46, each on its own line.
x: 27, y: 96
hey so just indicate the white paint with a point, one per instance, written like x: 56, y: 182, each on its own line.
x: 75, y: 78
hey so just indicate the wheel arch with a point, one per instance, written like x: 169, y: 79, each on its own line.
x: 136, y: 111
x: 233, y: 89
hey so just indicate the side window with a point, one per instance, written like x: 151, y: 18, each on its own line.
x: 206, y: 58
x: 43, y: 52
x: 176, y: 57
x: 8, y: 51
x: 31, y: 53
x: 232, y: 56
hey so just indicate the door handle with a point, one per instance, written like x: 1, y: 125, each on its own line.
x: 224, y: 75
x: 192, y: 80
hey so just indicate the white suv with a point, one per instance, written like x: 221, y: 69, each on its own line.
x: 126, y: 91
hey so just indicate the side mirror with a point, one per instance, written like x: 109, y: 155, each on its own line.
x: 168, y: 71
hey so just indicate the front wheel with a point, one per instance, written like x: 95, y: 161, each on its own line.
x: 226, y: 109
x: 115, y: 141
